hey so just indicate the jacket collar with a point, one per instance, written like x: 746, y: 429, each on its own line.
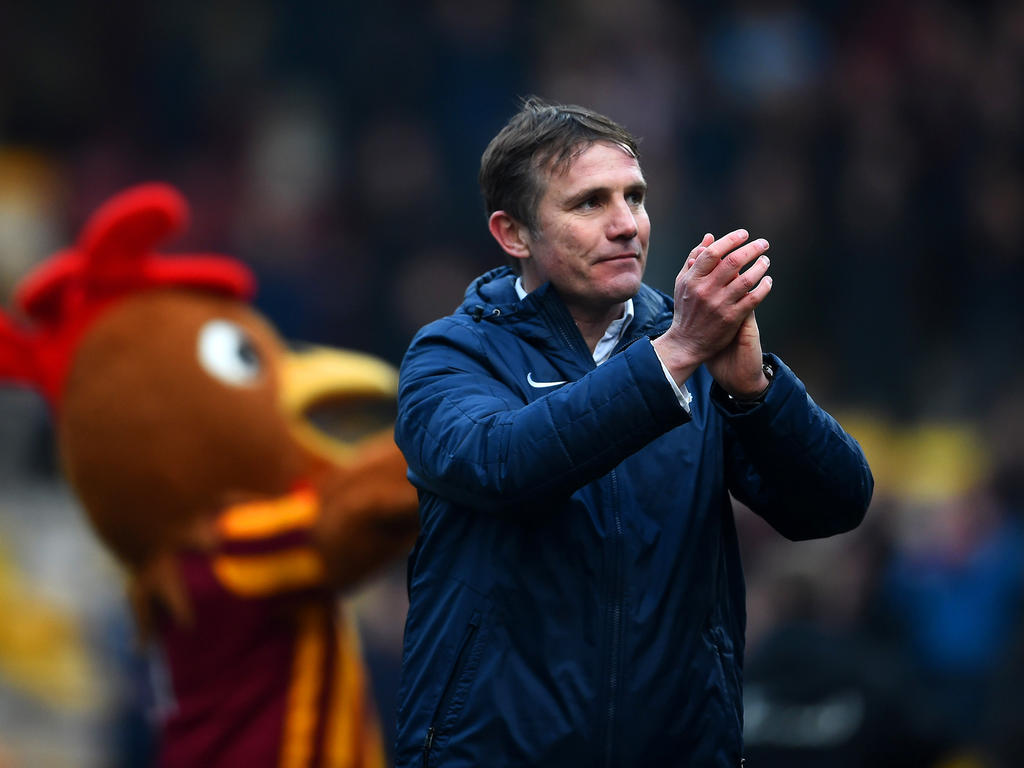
x: 492, y: 296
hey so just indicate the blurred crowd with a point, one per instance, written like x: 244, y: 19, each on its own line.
x: 334, y: 147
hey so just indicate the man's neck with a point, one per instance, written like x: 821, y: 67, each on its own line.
x: 593, y: 324
x: 591, y: 321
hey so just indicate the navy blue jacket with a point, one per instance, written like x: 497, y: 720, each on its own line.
x: 576, y: 594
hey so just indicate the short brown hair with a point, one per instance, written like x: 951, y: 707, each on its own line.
x: 539, y: 135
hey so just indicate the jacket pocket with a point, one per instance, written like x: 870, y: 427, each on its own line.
x: 726, y: 674
x: 455, y: 689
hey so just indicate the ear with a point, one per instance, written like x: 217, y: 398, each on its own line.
x: 512, y: 236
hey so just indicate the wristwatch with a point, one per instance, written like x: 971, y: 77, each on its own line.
x: 747, y: 403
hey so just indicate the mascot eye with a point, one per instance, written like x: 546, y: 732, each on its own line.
x: 227, y: 353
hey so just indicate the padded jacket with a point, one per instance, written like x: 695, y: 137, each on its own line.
x: 576, y: 593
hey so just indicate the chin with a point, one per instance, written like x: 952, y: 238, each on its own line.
x: 625, y: 287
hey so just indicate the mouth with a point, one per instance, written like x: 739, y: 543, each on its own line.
x: 631, y: 256
x: 336, y: 398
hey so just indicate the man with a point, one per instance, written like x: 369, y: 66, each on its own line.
x: 576, y: 595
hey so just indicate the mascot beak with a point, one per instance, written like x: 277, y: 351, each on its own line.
x: 356, y: 392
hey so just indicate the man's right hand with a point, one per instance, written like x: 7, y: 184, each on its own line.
x: 713, y: 298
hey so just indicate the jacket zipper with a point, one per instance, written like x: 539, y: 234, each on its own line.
x: 616, y: 622
x: 460, y: 663
x: 570, y: 336
x: 575, y: 341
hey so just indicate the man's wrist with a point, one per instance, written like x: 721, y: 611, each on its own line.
x: 679, y: 366
x: 757, y: 395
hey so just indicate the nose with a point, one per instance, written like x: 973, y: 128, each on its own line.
x: 622, y: 224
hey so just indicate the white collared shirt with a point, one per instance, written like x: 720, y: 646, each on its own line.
x: 611, y: 338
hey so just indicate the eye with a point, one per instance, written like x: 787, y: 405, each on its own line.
x: 228, y: 353
x: 636, y: 197
x: 588, y: 204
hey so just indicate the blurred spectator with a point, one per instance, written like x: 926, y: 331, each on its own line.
x: 767, y: 53
x: 955, y: 587
x: 30, y: 203
x: 380, y: 608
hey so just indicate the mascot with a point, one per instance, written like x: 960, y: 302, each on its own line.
x: 183, y: 425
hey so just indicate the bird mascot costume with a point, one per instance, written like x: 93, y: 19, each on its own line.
x: 183, y: 426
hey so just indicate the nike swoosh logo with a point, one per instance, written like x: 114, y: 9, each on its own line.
x: 542, y: 384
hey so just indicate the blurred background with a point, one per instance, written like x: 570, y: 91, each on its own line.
x: 334, y: 147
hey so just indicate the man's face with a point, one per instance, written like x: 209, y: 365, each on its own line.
x: 593, y: 230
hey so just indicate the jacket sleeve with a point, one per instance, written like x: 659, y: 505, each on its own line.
x: 471, y: 438
x: 791, y: 462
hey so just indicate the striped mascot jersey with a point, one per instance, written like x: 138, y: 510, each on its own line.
x: 270, y: 671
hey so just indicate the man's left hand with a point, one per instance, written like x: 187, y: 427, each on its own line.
x: 738, y: 368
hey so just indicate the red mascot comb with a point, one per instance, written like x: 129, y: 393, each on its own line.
x: 113, y: 258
